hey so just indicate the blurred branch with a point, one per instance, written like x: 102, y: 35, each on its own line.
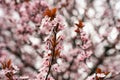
x: 17, y: 54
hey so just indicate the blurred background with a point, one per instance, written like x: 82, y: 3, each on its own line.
x: 22, y: 39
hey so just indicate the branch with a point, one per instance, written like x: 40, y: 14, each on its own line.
x: 53, y: 50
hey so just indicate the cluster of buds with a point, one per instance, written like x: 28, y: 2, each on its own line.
x: 53, y: 44
x: 8, y: 69
x: 86, y: 44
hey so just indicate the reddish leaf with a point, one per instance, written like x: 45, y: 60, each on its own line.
x: 3, y: 65
x: 50, y: 13
x: 80, y: 24
x: 47, y: 12
x: 9, y: 75
x: 98, y: 70
x: 96, y: 77
x: 57, y: 52
x: 77, y: 30
x: 9, y: 63
x: 26, y: 0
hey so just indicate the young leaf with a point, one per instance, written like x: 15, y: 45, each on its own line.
x: 50, y: 13
x: 80, y: 24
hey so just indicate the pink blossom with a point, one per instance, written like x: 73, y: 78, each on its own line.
x: 56, y: 68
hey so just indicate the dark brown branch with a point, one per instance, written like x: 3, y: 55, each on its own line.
x: 53, y: 51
